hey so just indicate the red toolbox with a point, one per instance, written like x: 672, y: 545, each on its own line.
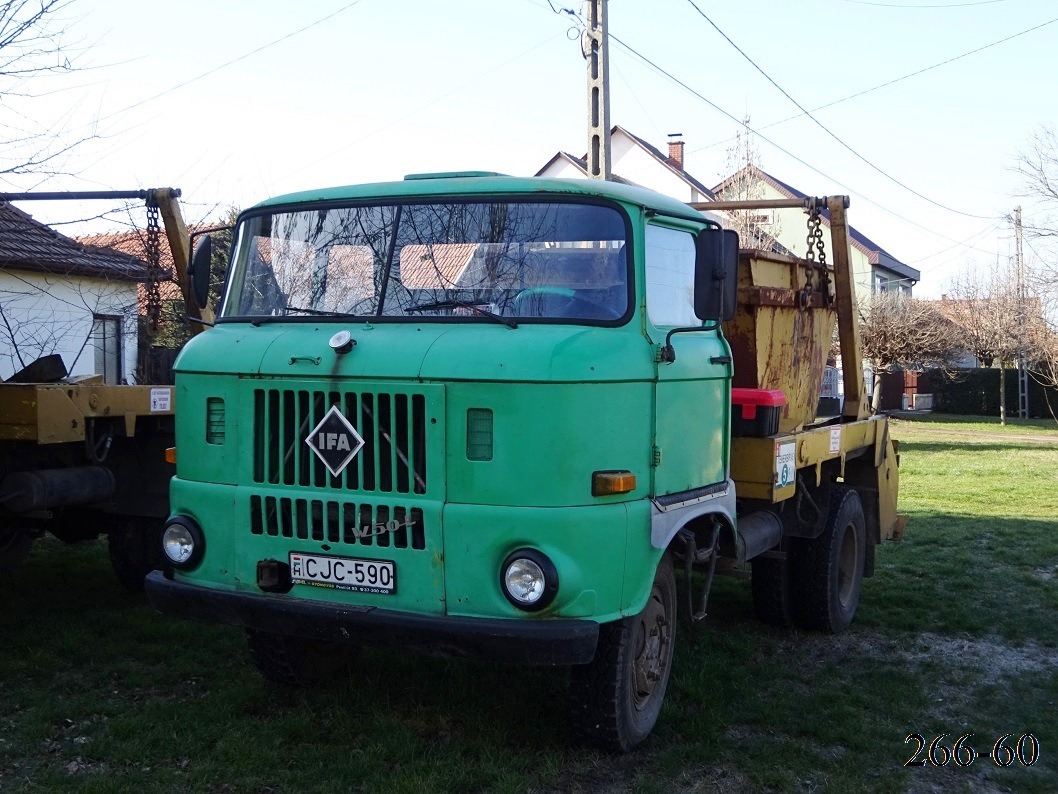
x: 755, y: 412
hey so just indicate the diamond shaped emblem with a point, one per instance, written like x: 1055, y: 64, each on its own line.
x: 335, y: 441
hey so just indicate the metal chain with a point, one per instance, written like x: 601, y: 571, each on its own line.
x: 816, y: 256
x: 813, y: 241
x: 154, y: 268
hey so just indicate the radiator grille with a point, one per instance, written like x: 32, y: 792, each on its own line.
x: 338, y: 522
x: 393, y: 426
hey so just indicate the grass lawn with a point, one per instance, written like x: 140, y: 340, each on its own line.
x: 957, y: 633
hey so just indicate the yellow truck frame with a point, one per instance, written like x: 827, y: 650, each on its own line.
x: 78, y: 443
x: 782, y: 331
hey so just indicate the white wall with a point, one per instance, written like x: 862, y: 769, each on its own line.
x: 42, y: 314
x: 632, y: 162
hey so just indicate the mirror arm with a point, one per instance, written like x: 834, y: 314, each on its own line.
x: 668, y: 352
x: 198, y: 320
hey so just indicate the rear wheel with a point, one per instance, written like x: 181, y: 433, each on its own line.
x: 614, y: 701
x: 14, y: 547
x: 829, y: 569
x: 296, y: 661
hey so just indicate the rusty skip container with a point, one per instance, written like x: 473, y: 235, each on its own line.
x: 782, y: 330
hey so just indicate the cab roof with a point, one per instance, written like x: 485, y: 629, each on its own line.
x: 472, y: 184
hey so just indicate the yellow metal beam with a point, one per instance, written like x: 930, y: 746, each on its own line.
x: 180, y: 245
x: 855, y: 406
x: 757, y: 464
x: 57, y: 413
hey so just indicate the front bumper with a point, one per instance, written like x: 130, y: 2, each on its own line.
x: 529, y: 642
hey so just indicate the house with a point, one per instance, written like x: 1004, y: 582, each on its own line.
x: 636, y: 162
x: 60, y: 296
x: 134, y: 243
x: 873, y: 268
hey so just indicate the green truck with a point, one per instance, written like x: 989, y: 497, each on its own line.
x: 488, y: 416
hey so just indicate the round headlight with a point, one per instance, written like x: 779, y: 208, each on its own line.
x: 524, y: 581
x: 529, y: 579
x: 182, y: 542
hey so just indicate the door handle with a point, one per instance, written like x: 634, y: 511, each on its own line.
x: 720, y: 360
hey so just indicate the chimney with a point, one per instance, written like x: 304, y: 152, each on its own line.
x: 676, y: 150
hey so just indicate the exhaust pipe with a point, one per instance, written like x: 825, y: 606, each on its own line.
x: 756, y: 533
x: 45, y: 489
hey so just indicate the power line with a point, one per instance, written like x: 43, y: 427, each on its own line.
x: 827, y: 130
x: 301, y: 165
x: 965, y: 242
x: 226, y: 64
x: 897, y: 79
x: 782, y: 149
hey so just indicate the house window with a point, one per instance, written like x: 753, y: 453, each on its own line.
x: 670, y: 277
x: 106, y: 339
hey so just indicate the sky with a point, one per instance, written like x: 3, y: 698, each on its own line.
x: 238, y: 101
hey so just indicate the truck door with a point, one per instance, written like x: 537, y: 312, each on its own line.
x: 693, y: 393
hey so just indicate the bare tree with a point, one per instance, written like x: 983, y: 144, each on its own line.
x: 990, y: 317
x: 34, y: 44
x: 1037, y: 165
x: 743, y: 182
x: 903, y: 332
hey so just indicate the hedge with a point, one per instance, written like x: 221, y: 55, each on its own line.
x: 976, y: 392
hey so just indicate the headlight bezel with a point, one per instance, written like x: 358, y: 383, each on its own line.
x: 547, y: 568
x: 198, y: 542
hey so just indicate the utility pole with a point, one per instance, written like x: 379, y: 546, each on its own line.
x: 1023, y: 375
x: 597, y: 54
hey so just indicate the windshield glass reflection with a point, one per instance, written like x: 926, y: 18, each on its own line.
x: 512, y: 260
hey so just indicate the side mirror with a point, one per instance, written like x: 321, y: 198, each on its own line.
x: 715, y: 274
x: 198, y: 272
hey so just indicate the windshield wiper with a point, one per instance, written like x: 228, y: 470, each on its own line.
x: 451, y: 303
x: 318, y: 312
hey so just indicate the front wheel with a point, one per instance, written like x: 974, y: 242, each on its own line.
x: 614, y: 701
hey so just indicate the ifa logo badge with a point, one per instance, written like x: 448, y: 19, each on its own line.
x: 335, y: 441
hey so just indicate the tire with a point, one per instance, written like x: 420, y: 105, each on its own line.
x: 828, y: 573
x: 773, y: 590
x: 14, y: 548
x: 295, y: 661
x: 135, y: 546
x: 614, y: 701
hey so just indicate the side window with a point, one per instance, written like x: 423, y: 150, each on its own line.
x: 670, y: 277
x: 106, y: 338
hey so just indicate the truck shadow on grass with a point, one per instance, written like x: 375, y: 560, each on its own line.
x: 98, y: 690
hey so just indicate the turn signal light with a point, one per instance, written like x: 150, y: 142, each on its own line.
x: 170, y: 455
x: 607, y: 483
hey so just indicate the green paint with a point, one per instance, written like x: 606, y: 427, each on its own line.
x: 564, y: 397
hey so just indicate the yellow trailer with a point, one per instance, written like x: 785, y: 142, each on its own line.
x: 782, y: 331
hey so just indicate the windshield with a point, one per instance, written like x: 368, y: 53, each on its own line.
x: 550, y: 261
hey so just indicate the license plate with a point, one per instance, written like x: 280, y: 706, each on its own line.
x: 343, y: 573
